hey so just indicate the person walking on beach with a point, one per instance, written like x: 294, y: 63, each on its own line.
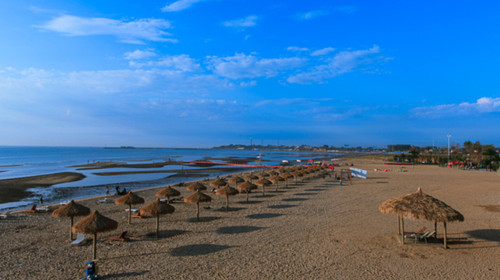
x: 107, y: 190
x: 41, y: 199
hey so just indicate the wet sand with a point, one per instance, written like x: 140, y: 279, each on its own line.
x: 315, y: 229
x: 15, y: 189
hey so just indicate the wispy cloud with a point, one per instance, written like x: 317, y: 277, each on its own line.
x: 249, y: 66
x: 297, y: 49
x: 341, y: 62
x: 248, y: 21
x: 323, y: 51
x: 134, y: 32
x: 182, y: 63
x: 481, y: 106
x: 313, y: 14
x: 140, y: 54
x: 326, y: 12
x: 179, y: 5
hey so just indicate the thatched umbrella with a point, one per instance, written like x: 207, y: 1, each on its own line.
x: 168, y: 192
x: 197, y: 197
x: 276, y: 180
x: 155, y: 209
x: 236, y: 180
x: 263, y: 175
x: 195, y: 186
x: 263, y: 182
x: 227, y: 191
x: 246, y: 187
x: 296, y: 174
x: 250, y: 177
x: 219, y: 182
x: 421, y: 206
x: 129, y: 199
x: 72, y: 209
x: 92, y: 225
x: 285, y: 177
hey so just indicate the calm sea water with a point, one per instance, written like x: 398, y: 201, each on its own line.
x: 18, y: 162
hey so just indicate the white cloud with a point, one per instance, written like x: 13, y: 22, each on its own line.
x: 297, y: 49
x: 248, y: 21
x: 134, y: 32
x: 249, y: 66
x: 140, y: 54
x: 179, y: 5
x: 342, y: 62
x: 323, y: 51
x: 481, y: 106
x: 313, y: 14
x: 181, y: 62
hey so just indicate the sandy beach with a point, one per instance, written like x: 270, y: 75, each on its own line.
x: 315, y: 229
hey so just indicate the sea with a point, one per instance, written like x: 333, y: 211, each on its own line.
x: 18, y: 162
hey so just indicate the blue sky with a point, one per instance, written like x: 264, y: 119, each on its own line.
x: 199, y: 73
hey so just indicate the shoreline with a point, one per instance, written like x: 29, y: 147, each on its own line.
x: 23, y: 198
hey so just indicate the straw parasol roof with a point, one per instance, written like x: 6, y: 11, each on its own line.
x: 72, y: 209
x: 93, y: 224
x: 421, y: 206
x: 236, y: 180
x: 129, y: 199
x: 247, y: 187
x: 250, y: 177
x: 263, y: 182
x: 195, y: 186
x: 276, y: 180
x: 219, y: 182
x: 197, y: 197
x: 168, y: 192
x: 155, y: 209
x: 263, y: 174
x: 227, y: 191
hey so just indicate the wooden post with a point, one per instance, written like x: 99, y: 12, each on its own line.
x: 227, y: 202
x: 198, y: 211
x: 94, y: 245
x: 445, y: 233
x: 129, y: 213
x: 70, y: 229
x: 157, y: 225
x: 435, y: 229
x: 399, y: 225
x: 402, y: 230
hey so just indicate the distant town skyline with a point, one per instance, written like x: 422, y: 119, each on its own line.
x: 205, y: 73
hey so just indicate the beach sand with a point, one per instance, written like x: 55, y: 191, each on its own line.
x: 313, y: 230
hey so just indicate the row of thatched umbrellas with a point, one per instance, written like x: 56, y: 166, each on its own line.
x: 96, y: 222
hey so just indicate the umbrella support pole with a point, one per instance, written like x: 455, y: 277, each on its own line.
x: 227, y: 202
x: 247, y: 196
x: 435, y: 229
x: 157, y: 225
x: 198, y: 211
x: 402, y: 230
x: 70, y: 229
x: 129, y: 214
x: 445, y: 233
x: 399, y: 225
x: 94, y: 246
